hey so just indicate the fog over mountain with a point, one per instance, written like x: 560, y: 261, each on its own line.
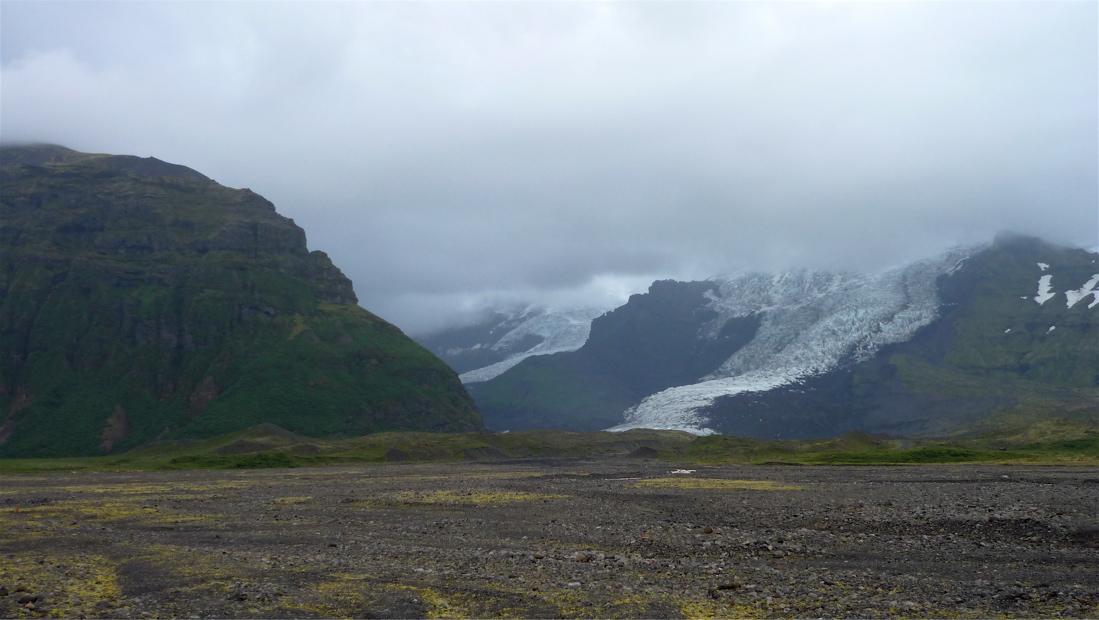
x: 452, y: 155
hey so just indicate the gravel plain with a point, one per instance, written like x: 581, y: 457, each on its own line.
x: 555, y: 538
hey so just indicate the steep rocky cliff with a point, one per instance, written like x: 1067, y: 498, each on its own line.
x: 140, y: 300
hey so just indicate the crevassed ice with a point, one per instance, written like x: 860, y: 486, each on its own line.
x: 812, y: 321
x: 562, y: 330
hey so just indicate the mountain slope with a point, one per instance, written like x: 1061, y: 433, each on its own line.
x: 924, y: 348
x: 989, y: 355
x: 506, y: 337
x: 644, y: 346
x: 141, y: 300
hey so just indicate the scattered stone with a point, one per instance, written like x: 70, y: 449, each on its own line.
x: 916, y: 556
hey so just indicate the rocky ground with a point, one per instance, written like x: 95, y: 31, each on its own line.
x: 558, y: 538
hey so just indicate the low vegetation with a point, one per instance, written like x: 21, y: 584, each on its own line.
x: 1052, y: 441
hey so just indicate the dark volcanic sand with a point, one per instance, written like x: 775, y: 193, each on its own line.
x: 562, y: 538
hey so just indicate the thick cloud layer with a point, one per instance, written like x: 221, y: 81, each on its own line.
x: 446, y: 154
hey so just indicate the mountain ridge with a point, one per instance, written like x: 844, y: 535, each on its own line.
x: 925, y: 348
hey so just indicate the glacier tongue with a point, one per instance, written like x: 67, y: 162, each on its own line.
x: 562, y: 329
x: 813, y: 321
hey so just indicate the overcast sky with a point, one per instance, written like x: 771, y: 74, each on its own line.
x: 448, y: 153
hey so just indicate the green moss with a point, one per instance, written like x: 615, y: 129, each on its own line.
x: 1000, y: 328
x: 195, y: 309
x: 261, y: 460
x: 918, y: 455
x: 270, y: 446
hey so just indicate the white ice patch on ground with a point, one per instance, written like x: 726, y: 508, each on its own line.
x: 562, y: 330
x: 1091, y: 287
x: 812, y: 321
x: 1043, y: 266
x: 1044, y: 292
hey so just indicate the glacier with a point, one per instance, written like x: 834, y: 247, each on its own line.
x: 813, y: 321
x: 562, y: 330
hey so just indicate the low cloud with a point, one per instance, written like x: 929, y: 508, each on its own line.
x: 451, y: 154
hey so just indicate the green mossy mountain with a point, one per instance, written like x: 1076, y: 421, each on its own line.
x: 140, y: 300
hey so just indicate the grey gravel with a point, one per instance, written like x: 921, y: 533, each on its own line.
x: 553, y: 538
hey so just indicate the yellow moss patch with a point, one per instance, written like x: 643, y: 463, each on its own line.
x: 511, y: 601
x: 130, y: 488
x: 135, y: 489
x: 69, y: 586
x: 346, y: 595
x: 504, y: 475
x: 297, y: 328
x: 469, y: 497
x: 98, y: 510
x: 714, y: 609
x: 304, y: 499
x: 194, y: 566
x: 715, y: 483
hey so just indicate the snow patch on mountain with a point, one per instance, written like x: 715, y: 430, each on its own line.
x: 562, y: 330
x: 813, y: 321
x: 1091, y: 287
x: 1045, y: 293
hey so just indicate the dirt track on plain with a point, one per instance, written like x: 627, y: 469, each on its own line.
x: 555, y: 538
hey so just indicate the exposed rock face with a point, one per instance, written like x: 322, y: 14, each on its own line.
x: 130, y: 284
x: 118, y: 426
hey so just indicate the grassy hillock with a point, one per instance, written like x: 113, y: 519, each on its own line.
x: 1058, y: 441
x: 268, y: 445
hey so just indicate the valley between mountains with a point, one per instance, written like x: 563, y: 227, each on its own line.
x: 142, y: 304
x: 198, y: 420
